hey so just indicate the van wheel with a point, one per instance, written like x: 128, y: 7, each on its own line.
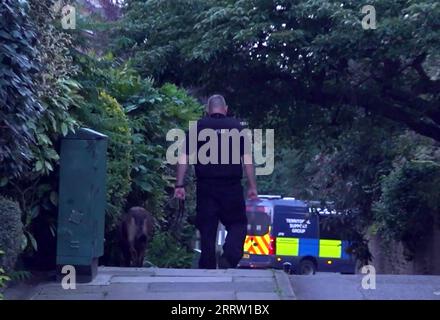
x: 307, y: 267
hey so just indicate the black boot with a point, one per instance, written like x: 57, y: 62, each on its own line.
x: 223, y: 263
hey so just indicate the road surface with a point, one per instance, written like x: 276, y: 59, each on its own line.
x: 324, y: 286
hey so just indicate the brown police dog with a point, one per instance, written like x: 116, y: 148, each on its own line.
x: 136, y: 230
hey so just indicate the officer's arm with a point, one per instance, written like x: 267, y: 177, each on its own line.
x: 182, y: 166
x: 248, y: 163
x: 250, y: 174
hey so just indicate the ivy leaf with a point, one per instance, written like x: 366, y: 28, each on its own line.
x: 38, y: 166
x: 64, y: 129
x: 32, y: 240
x: 48, y: 165
x: 3, y: 181
x: 54, y: 198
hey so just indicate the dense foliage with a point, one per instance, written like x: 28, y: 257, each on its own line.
x: 103, y: 113
x: 56, y: 90
x: 3, y: 278
x: 308, y: 58
x: 20, y: 109
x: 85, y: 89
x: 11, y: 233
x: 136, y: 116
x: 409, y: 203
x: 41, y: 59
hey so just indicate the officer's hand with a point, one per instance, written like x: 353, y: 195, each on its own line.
x: 252, y: 193
x: 179, y: 193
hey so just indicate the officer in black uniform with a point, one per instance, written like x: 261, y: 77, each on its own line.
x: 219, y: 190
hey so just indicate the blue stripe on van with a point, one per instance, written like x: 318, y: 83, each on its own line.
x: 308, y: 247
x: 344, y: 254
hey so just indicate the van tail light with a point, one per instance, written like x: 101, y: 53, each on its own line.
x: 272, y: 245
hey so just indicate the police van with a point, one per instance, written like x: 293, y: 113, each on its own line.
x: 286, y: 233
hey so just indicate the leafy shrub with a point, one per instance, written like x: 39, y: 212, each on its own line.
x: 3, y: 277
x: 151, y: 112
x: 11, y: 233
x: 20, y: 108
x: 56, y: 91
x: 43, y: 48
x: 20, y: 275
x: 151, y: 117
x: 410, y: 199
x: 115, y: 124
x: 35, y: 87
x: 167, y: 252
x: 106, y: 116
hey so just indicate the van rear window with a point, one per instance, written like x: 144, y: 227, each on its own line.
x: 290, y: 209
x: 258, y: 222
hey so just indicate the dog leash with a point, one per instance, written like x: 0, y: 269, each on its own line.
x: 180, y: 213
x: 181, y: 210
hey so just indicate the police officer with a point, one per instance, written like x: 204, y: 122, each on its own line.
x: 219, y: 190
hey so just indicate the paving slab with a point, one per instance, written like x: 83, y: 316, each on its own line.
x: 116, y: 271
x: 214, y: 286
x: 170, y: 284
x: 151, y: 279
x: 172, y: 272
x: 100, y: 280
x: 252, y: 279
x: 56, y: 288
x: 78, y: 296
x: 152, y: 295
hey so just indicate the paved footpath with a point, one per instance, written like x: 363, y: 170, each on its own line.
x: 167, y: 284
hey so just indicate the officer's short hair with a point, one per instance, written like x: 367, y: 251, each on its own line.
x: 216, y: 101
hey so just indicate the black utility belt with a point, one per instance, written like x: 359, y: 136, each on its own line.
x: 219, y: 181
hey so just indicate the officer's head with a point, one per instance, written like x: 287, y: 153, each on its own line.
x: 217, y: 104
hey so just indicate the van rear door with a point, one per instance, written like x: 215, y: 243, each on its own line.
x: 258, y: 240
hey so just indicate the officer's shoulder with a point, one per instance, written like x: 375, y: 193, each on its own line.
x: 203, y: 120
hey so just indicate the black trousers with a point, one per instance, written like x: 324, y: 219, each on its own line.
x: 221, y: 201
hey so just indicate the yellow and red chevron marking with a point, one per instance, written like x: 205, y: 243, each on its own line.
x: 257, y: 244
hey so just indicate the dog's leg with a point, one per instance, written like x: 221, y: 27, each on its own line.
x: 131, y: 239
x: 124, y: 243
x: 134, y: 256
x: 141, y: 255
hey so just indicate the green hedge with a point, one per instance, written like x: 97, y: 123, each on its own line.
x: 20, y: 108
x: 409, y: 202
x: 11, y: 233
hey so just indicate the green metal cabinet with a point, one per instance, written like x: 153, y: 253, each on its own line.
x: 82, y: 201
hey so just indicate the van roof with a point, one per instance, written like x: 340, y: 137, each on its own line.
x: 280, y: 201
x: 289, y: 202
